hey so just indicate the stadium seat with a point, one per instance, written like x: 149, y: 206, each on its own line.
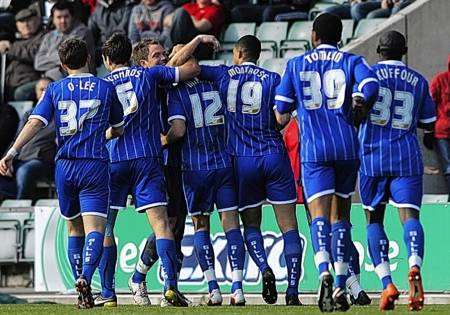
x: 291, y: 53
x: 367, y: 25
x: 434, y: 198
x: 216, y: 62
x: 13, y: 203
x: 298, y: 37
x: 102, y: 72
x: 275, y: 64
x: 47, y: 203
x: 49, y: 185
x: 225, y: 56
x: 21, y: 107
x: 271, y: 34
x: 27, y: 242
x: 347, y: 31
x: 235, y: 31
x: 319, y: 7
x: 10, y: 236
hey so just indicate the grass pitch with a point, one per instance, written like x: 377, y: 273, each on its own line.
x: 60, y: 309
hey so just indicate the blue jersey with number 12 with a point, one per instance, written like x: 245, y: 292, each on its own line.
x: 319, y: 85
x: 248, y: 92
x: 83, y: 107
x: 389, y: 145
x: 199, y: 105
x: 137, y: 89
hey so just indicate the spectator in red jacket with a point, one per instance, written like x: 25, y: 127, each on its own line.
x: 192, y: 19
x: 440, y: 92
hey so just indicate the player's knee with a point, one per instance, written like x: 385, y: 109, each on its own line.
x: 75, y: 227
x: 376, y: 216
x: 201, y: 222
x: 94, y: 223
x: 230, y: 220
x: 408, y: 213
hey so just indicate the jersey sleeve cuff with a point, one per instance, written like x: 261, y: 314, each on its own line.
x: 360, y: 94
x: 284, y: 99
x: 118, y: 125
x: 428, y: 120
x: 39, y: 117
x: 364, y: 82
x: 176, y: 117
x: 177, y: 75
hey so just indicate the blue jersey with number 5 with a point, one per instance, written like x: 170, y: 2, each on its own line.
x: 248, y: 92
x: 137, y: 89
x: 388, y: 138
x: 83, y: 107
x: 319, y: 85
x: 199, y: 105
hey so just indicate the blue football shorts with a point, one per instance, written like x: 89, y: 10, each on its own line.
x: 261, y: 178
x: 400, y: 191
x: 83, y: 187
x: 325, y: 178
x: 143, y: 178
x: 204, y: 189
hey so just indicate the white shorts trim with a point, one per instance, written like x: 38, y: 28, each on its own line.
x: 344, y: 195
x: 98, y: 214
x: 404, y: 205
x: 71, y: 218
x: 251, y: 206
x: 198, y: 213
x: 234, y: 208
x: 284, y: 202
x: 370, y: 208
x: 117, y: 207
x: 151, y: 205
x: 320, y: 194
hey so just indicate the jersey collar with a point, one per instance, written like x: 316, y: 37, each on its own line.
x: 248, y: 63
x: 392, y: 63
x: 326, y: 46
x: 80, y: 75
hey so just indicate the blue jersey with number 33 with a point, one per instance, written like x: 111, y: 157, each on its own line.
x: 83, y: 107
x: 248, y: 92
x: 388, y: 138
x: 137, y: 89
x: 319, y: 85
x: 199, y: 105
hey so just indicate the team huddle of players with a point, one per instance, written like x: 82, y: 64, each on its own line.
x: 220, y: 142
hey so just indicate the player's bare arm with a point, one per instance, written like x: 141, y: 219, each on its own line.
x: 28, y: 132
x: 182, y: 53
x: 282, y: 119
x: 175, y: 133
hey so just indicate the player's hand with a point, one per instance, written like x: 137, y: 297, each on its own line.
x: 6, y: 166
x: 164, y: 142
x: 4, y: 46
x: 428, y: 140
x: 359, y: 110
x: 210, y: 40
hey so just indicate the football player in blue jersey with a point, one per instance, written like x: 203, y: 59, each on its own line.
x: 261, y: 166
x: 319, y: 85
x: 136, y: 158
x: 149, y: 53
x: 391, y: 164
x: 83, y: 107
x: 196, y: 114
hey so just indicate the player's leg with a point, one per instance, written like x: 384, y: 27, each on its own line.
x: 227, y: 206
x: 407, y: 196
x: 318, y: 183
x: 374, y: 192
x: 119, y: 187
x: 150, y: 196
x: 281, y: 193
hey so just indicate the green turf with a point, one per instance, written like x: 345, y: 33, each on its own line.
x: 48, y: 309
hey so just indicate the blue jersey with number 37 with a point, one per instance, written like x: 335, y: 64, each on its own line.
x: 388, y: 138
x: 83, y: 107
x: 248, y: 92
x: 137, y: 89
x: 199, y: 105
x: 319, y: 85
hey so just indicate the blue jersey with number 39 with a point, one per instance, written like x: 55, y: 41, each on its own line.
x: 388, y: 138
x: 199, y: 105
x: 137, y: 89
x: 319, y: 85
x: 248, y: 92
x: 83, y: 107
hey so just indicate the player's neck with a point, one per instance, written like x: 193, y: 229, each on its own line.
x: 78, y: 71
x: 119, y: 66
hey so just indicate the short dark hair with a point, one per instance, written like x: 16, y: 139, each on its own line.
x: 392, y: 45
x: 141, y: 50
x: 73, y: 53
x: 328, y: 28
x: 63, y: 5
x: 250, y: 46
x: 117, y: 48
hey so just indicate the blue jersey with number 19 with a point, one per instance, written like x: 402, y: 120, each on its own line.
x: 199, y: 105
x: 83, y: 107
x: 389, y: 145
x: 319, y: 84
x: 137, y: 89
x: 249, y: 93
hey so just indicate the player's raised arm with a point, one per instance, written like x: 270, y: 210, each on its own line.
x: 182, y: 54
x: 177, y: 119
x: 42, y: 114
